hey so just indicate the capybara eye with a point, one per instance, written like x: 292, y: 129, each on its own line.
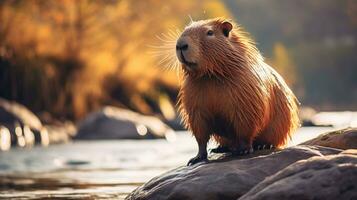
x: 210, y: 32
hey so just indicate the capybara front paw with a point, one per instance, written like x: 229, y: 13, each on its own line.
x: 220, y: 149
x: 197, y: 159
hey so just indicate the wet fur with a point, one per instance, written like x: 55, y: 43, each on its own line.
x: 234, y: 96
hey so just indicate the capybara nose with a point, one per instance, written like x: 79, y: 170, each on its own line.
x: 181, y: 45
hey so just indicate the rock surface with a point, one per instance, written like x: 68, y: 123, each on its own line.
x: 341, y: 139
x: 117, y: 123
x: 224, y: 178
x: 329, y: 177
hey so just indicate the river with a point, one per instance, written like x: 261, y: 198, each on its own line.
x: 97, y: 169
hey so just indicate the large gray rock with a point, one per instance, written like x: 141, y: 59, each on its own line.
x: 341, y: 139
x: 116, y: 123
x: 223, y: 179
x: 329, y: 177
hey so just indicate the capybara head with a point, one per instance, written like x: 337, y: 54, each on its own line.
x: 205, y: 46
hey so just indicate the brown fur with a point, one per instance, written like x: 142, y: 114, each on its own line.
x: 233, y: 95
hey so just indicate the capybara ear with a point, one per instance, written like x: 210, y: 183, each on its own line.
x: 226, y: 28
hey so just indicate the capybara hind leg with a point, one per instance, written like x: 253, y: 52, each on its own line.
x: 275, y: 136
x: 283, y: 120
x: 266, y: 139
x: 244, y: 146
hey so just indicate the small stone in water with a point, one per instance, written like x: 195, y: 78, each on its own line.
x: 77, y: 162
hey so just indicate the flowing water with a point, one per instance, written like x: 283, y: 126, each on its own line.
x: 97, y: 169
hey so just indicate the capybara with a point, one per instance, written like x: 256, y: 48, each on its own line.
x: 229, y: 92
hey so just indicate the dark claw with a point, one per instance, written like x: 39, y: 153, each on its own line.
x: 243, y: 151
x: 197, y: 159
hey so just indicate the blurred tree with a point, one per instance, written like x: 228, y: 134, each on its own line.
x: 283, y: 63
x: 70, y: 57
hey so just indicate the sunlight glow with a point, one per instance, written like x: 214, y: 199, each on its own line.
x: 5, y: 139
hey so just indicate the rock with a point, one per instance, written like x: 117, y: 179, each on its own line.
x: 11, y: 113
x: 175, y: 123
x: 26, y: 129
x: 58, y: 133
x: 305, y: 115
x: 23, y: 125
x: 341, y: 139
x: 117, y: 123
x: 335, y: 119
x: 329, y: 177
x: 228, y: 178
x: 309, y: 117
x: 350, y: 151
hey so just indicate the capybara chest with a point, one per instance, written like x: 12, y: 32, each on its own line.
x: 213, y: 99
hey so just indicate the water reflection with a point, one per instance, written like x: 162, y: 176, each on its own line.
x: 44, y: 187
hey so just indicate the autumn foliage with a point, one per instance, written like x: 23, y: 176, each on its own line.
x: 70, y: 57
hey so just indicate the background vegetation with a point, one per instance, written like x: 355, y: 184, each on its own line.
x: 70, y: 57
